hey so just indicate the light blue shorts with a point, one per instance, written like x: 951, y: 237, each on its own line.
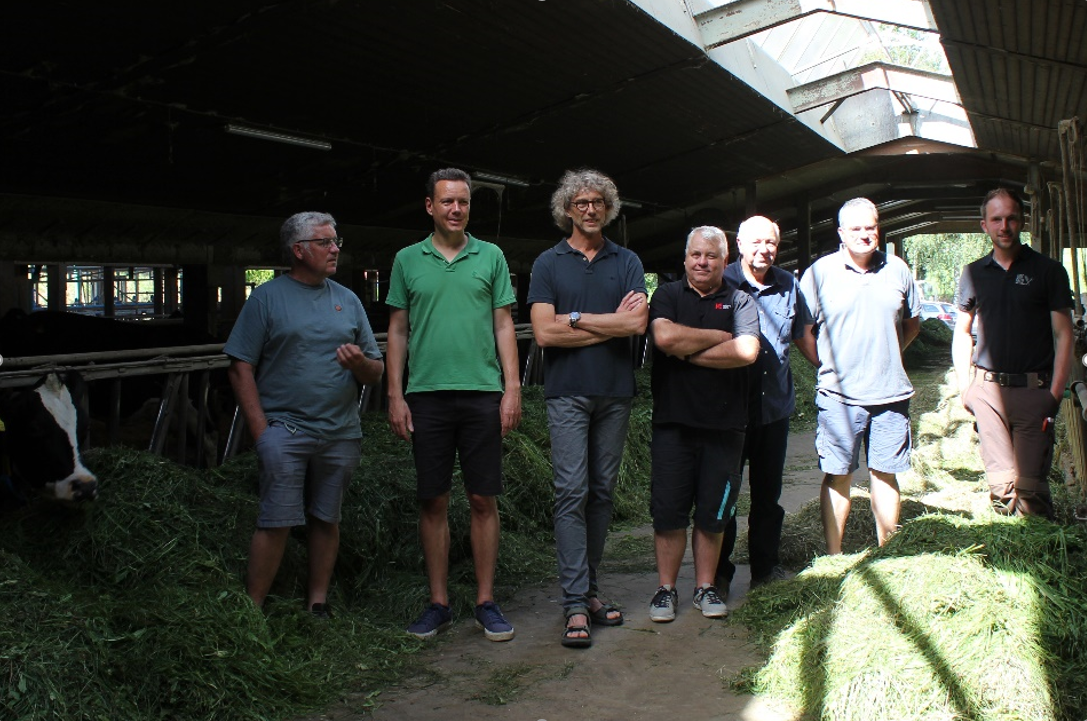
x: 301, y: 475
x: 884, y: 430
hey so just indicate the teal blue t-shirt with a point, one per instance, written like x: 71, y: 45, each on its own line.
x: 290, y: 332
x: 450, y: 305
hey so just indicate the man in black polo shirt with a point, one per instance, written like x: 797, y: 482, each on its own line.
x: 702, y: 334
x: 1017, y: 301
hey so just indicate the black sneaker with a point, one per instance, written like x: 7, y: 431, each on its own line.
x: 435, y: 619
x: 321, y: 611
x: 777, y: 573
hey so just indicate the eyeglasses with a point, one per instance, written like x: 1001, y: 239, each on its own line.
x: 325, y: 243
x: 583, y: 205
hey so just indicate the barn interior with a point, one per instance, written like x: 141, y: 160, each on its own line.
x: 178, y: 137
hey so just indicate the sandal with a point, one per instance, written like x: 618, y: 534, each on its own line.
x: 601, y: 618
x: 568, y: 638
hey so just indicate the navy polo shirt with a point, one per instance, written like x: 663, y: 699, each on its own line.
x: 714, y: 398
x: 568, y: 280
x: 1011, y: 310
x: 782, y: 317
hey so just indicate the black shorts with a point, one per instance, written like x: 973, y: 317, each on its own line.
x: 694, y: 467
x: 449, y: 424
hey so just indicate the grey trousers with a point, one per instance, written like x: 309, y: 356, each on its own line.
x: 587, y: 438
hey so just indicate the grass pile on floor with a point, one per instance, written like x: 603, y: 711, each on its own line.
x: 134, y: 607
x: 963, y: 614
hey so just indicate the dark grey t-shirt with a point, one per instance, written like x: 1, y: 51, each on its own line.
x: 566, y: 279
x: 290, y: 332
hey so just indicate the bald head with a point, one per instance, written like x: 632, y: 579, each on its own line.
x: 758, y: 239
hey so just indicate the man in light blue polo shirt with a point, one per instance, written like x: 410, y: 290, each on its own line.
x: 865, y: 310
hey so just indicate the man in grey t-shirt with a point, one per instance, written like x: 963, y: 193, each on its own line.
x: 300, y: 350
x: 865, y: 310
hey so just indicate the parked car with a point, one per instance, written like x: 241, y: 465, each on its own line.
x: 932, y: 309
x: 952, y: 311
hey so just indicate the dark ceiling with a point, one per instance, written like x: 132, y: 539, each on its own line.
x: 126, y: 104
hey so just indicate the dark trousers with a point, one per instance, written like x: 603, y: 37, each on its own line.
x: 764, y: 452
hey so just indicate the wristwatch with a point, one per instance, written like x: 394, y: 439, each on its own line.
x: 574, y: 318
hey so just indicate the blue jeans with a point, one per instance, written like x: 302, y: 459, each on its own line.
x: 587, y: 438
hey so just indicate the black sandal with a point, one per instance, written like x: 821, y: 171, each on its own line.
x: 601, y: 618
x: 571, y: 641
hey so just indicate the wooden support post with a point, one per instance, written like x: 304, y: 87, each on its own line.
x: 803, y: 233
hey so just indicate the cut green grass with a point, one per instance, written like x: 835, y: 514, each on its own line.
x: 963, y: 614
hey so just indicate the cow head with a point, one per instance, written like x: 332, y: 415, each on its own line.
x: 44, y: 425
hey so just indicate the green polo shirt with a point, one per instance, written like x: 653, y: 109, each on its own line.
x: 450, y: 307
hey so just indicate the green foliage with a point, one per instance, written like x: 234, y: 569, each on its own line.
x: 939, y: 259
x: 134, y: 607
x: 256, y: 276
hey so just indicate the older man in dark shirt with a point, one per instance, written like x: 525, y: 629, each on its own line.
x: 771, y: 401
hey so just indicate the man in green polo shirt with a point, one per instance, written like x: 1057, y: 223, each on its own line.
x: 451, y: 326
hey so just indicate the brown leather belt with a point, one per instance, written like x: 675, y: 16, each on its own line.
x: 1016, y: 380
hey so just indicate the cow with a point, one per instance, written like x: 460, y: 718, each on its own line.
x: 43, y: 425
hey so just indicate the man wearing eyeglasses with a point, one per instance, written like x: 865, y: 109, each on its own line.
x: 588, y: 299
x: 302, y: 325
x: 452, y: 327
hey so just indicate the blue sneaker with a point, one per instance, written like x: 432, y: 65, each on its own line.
x: 435, y: 619
x: 489, y: 617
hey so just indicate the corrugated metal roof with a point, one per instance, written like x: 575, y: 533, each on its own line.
x: 1020, y: 68
x: 127, y: 104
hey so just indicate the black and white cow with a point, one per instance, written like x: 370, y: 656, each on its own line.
x: 43, y: 426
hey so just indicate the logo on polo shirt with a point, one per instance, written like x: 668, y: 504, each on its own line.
x: 1023, y: 279
x: 722, y: 306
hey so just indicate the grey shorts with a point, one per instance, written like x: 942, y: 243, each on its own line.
x: 884, y: 430
x: 301, y: 475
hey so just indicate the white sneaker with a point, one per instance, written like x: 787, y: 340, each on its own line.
x: 710, y: 602
x: 662, y: 608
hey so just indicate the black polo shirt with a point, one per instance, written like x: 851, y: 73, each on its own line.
x: 695, y: 396
x: 1012, y: 307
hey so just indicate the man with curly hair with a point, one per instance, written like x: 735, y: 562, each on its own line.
x: 588, y: 301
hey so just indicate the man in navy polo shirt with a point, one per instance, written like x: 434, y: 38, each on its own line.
x: 588, y: 299
x: 1017, y: 301
x: 703, y: 335
x: 771, y: 400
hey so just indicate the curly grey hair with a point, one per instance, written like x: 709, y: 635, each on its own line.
x: 300, y: 226
x: 574, y: 182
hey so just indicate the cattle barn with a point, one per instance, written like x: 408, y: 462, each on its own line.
x: 150, y: 152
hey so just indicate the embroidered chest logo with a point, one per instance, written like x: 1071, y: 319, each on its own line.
x: 722, y: 306
x: 1023, y: 279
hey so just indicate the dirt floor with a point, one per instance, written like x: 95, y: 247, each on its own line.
x: 639, y: 670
